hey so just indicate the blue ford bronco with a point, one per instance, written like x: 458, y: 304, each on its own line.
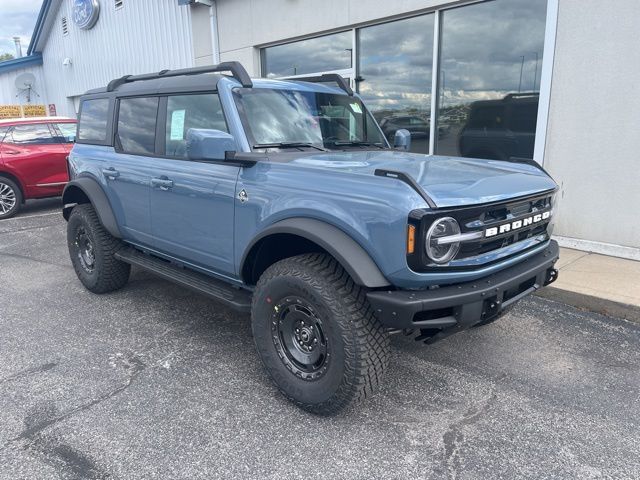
x: 283, y: 198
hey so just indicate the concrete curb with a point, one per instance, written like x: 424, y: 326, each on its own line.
x: 590, y: 303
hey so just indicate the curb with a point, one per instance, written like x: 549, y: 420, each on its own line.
x: 593, y: 304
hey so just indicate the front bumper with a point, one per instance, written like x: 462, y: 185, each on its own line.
x: 456, y: 307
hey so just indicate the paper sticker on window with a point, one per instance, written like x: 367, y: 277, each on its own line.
x: 356, y: 107
x: 177, y: 125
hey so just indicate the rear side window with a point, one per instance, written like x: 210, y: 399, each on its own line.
x: 67, y: 130
x: 190, y: 111
x: 94, y: 117
x: 37, y: 134
x: 136, y: 131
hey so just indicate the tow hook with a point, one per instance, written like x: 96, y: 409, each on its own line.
x: 552, y: 276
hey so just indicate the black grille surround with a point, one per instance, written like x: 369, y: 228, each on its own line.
x: 478, y: 218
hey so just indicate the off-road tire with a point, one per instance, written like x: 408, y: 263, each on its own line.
x: 17, y: 193
x: 108, y: 273
x: 359, y: 347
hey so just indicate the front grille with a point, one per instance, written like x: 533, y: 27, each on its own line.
x: 475, y: 253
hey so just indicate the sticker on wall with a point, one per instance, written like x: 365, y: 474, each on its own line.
x: 85, y: 13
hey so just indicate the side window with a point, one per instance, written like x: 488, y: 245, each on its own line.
x: 37, y: 134
x: 136, y: 131
x: 190, y: 111
x: 94, y: 117
x: 68, y: 131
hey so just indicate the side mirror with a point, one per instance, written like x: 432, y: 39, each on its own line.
x: 206, y: 144
x: 402, y: 139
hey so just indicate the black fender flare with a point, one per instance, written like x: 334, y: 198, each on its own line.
x: 353, y: 258
x: 86, y: 187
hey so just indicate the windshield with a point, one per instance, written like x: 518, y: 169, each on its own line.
x: 284, y: 118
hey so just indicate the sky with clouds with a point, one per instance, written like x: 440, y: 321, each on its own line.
x: 17, y: 18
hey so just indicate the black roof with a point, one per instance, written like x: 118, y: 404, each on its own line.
x: 187, y: 83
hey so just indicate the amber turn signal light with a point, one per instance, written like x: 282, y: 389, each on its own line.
x: 411, y: 239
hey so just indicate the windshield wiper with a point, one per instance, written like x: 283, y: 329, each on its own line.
x: 357, y: 143
x: 290, y: 145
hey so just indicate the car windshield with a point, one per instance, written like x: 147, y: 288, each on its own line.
x: 275, y: 118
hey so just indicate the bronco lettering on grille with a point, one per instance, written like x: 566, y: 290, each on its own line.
x: 517, y: 224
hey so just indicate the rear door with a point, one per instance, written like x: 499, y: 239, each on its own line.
x: 32, y: 153
x: 128, y: 171
x: 192, y: 202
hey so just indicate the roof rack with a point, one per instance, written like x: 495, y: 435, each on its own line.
x: 236, y: 69
x: 327, y: 78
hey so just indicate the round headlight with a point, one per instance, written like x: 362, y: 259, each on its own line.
x: 445, y: 251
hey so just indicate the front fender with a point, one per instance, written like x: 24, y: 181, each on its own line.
x: 353, y: 258
x: 87, y: 190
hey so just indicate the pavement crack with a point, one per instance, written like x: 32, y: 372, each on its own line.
x: 41, y: 420
x: 29, y: 371
x: 69, y: 462
x: 453, y: 438
x: 24, y: 257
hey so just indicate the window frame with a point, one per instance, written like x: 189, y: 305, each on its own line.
x: 108, y: 141
x: 116, y: 120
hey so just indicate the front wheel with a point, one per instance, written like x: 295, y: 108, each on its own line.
x: 317, y: 335
x: 92, y: 250
x: 10, y: 198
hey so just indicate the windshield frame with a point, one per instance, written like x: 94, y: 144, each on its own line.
x: 338, y: 145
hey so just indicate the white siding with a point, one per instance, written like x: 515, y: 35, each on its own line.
x: 143, y: 36
x: 8, y: 90
x: 592, y: 139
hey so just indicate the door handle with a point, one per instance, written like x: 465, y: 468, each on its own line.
x: 163, y: 183
x: 110, y: 173
x: 11, y: 152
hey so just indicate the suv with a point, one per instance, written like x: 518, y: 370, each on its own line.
x: 32, y: 159
x: 284, y: 199
x: 501, y: 129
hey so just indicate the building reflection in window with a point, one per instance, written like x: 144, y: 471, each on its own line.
x: 319, y: 54
x: 490, y: 64
x: 395, y: 61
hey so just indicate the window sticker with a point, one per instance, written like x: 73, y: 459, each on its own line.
x: 177, y: 125
x: 356, y: 107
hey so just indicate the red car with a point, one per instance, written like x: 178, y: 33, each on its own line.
x: 33, y: 154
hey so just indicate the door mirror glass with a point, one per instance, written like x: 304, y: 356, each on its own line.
x: 402, y: 139
x: 209, y: 144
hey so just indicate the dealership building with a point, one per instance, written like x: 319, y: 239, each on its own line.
x: 550, y: 80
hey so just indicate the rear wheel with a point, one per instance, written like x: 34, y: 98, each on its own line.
x: 317, y: 335
x: 10, y: 198
x: 92, y: 250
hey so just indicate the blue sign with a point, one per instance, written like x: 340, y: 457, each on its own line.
x: 85, y: 13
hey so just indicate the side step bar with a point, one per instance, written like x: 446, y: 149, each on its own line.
x: 216, y: 289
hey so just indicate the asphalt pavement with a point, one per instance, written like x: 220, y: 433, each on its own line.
x: 154, y: 381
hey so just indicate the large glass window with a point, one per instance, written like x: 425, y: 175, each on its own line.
x: 395, y: 61
x: 137, y: 125
x: 489, y: 79
x: 292, y: 118
x: 320, y: 54
x: 93, y: 120
x: 190, y: 111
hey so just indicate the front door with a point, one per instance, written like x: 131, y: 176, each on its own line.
x: 192, y: 202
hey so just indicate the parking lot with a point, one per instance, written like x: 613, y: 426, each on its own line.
x: 156, y: 382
